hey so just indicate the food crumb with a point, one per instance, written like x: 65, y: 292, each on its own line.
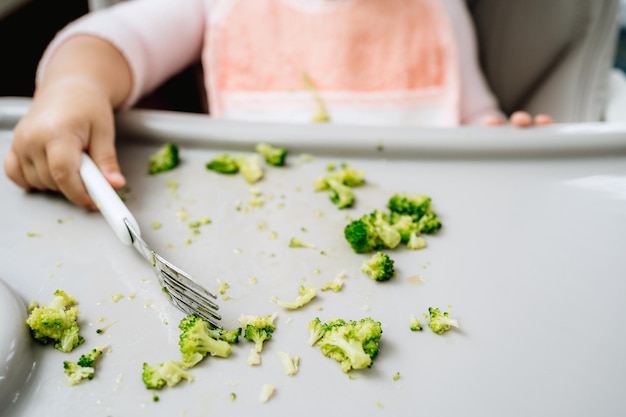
x: 266, y: 392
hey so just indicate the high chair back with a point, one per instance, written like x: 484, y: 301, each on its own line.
x: 548, y: 56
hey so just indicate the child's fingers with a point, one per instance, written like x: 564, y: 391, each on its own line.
x: 102, y: 151
x: 543, y: 120
x: 520, y: 119
x: 31, y: 173
x: 13, y: 170
x: 492, y: 120
x: 64, y: 159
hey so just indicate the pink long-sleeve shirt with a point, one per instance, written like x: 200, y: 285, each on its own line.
x: 363, y: 61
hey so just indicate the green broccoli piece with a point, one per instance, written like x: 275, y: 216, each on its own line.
x: 345, y: 175
x: 415, y: 205
x: 335, y: 285
x: 362, y: 236
x: 56, y: 322
x: 440, y: 322
x: 167, y: 373
x: 379, y: 267
x: 295, y: 242
x: 305, y: 295
x: 250, y: 168
x: 418, y: 206
x: 416, y: 242
x: 341, y: 195
x: 414, y: 324
x: 69, y: 340
x: 339, y: 184
x: 84, y: 368
x: 429, y: 223
x: 403, y: 224
x: 258, y: 329
x: 389, y: 236
x: 227, y: 335
x: 196, y: 342
x: 165, y: 159
x: 273, y: 155
x: 372, y: 232
x: 223, y: 164
x: 316, y: 330
x: 352, y: 343
x: 321, y: 113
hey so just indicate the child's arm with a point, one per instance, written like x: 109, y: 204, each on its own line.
x: 72, y: 111
x: 102, y: 62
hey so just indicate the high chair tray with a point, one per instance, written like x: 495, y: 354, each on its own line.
x: 530, y: 261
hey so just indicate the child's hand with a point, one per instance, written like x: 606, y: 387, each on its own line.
x: 519, y: 119
x: 65, y: 119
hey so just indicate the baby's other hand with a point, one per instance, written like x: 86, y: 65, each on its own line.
x: 519, y: 119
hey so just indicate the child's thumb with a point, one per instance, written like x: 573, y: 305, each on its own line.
x: 106, y: 160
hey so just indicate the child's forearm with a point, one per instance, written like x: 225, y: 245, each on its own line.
x: 92, y: 64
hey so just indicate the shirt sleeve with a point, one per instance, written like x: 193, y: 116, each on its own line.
x: 158, y: 38
x: 476, y: 98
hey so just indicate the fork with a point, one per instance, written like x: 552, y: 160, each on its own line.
x: 182, y: 290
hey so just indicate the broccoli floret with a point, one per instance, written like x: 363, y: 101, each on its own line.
x: 165, y: 159
x: 362, y: 236
x: 273, y: 155
x: 223, y: 164
x: 167, y: 373
x: 403, y: 224
x: 258, y: 329
x: 84, y: 368
x: 379, y: 267
x: 353, y: 343
x: 389, y: 236
x: 416, y: 242
x: 227, y: 335
x: 196, y: 342
x: 250, y: 168
x: 440, y: 322
x: 305, y: 295
x: 316, y: 330
x: 418, y: 206
x: 415, y: 205
x: 414, y: 324
x: 339, y: 184
x: 345, y: 175
x: 56, y: 322
x: 341, y: 195
x: 335, y: 285
x: 429, y: 223
x: 76, y: 373
x: 69, y: 339
x: 372, y: 232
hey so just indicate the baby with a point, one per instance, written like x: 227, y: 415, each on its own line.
x: 382, y: 62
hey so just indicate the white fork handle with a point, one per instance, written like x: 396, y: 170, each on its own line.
x: 108, y: 201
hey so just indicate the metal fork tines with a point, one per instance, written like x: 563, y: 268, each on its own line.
x: 182, y: 290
